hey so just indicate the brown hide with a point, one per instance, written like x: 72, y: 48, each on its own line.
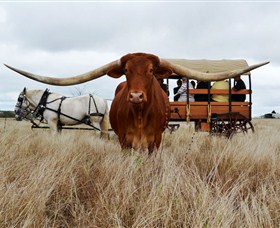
x: 140, y: 110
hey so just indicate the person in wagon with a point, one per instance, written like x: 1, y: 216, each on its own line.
x: 201, y: 85
x: 175, y: 90
x: 163, y: 86
x: 238, y: 85
x: 182, y: 92
x: 220, y: 85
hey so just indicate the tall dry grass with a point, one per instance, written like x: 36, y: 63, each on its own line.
x: 77, y: 180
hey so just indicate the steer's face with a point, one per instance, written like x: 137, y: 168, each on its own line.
x: 140, y: 70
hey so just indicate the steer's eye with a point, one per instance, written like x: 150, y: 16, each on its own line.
x: 125, y: 70
x: 151, y: 70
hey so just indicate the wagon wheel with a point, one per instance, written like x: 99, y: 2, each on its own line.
x: 229, y: 124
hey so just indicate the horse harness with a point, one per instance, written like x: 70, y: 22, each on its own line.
x: 42, y: 106
x: 39, y: 110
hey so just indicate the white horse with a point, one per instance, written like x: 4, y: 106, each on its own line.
x: 58, y: 110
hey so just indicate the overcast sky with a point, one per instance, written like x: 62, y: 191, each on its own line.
x: 68, y: 38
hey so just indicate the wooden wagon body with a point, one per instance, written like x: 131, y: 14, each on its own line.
x: 224, y: 118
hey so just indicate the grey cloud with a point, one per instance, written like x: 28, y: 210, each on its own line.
x: 198, y: 30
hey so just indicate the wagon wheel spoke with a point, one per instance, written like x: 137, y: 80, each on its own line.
x: 220, y: 127
x: 246, y: 126
x: 229, y: 124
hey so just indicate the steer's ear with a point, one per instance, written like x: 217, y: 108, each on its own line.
x: 163, y: 72
x: 116, y: 72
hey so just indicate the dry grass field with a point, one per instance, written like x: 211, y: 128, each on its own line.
x: 77, y: 180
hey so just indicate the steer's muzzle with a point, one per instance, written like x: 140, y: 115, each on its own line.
x: 136, y: 97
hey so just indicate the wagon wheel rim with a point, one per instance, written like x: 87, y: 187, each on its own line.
x: 247, y: 126
x: 230, y: 124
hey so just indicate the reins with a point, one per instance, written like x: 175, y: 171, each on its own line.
x: 59, y: 113
x: 72, y: 118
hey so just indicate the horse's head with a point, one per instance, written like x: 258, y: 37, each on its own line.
x: 22, y: 106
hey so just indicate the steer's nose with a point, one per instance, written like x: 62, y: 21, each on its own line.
x: 136, y: 97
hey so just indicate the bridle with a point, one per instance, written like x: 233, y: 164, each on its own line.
x: 23, y: 113
x: 29, y: 112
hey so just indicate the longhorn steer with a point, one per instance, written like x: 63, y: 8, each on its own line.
x: 140, y: 110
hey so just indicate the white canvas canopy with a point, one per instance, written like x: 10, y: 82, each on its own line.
x: 212, y: 66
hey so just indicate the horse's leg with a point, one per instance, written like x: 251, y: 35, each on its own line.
x: 54, y: 126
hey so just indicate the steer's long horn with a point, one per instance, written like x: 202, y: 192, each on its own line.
x: 69, y: 80
x: 193, y: 74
